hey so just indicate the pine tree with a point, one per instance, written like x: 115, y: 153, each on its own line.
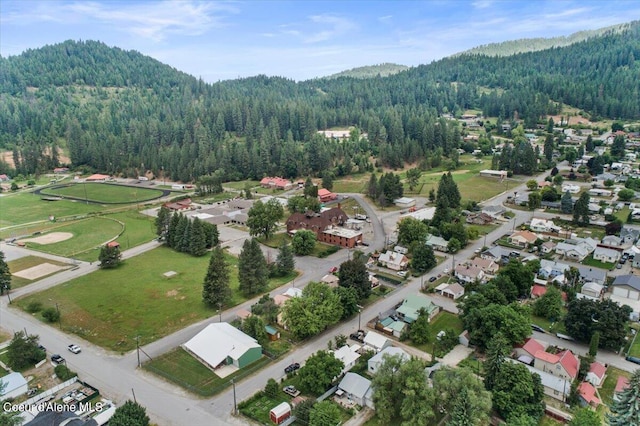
x: 5, y: 275
x: 581, y: 210
x: 462, y: 410
x: 212, y: 235
x: 173, y: 234
x: 285, y: 261
x: 566, y: 203
x: 197, y: 241
x: 372, y: 187
x: 183, y: 234
x: 252, y: 268
x: 162, y: 221
x: 626, y: 410
x: 497, y: 351
x: 216, y: 290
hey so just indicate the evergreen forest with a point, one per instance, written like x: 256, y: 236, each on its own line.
x: 120, y: 112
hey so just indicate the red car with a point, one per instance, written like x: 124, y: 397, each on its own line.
x: 333, y: 270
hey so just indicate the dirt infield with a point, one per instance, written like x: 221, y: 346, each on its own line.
x: 38, y: 271
x: 50, y: 238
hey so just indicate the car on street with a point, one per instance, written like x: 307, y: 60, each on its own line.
x: 57, y: 359
x: 291, y: 368
x: 333, y: 270
x: 74, y: 349
x: 538, y: 328
x: 432, y: 279
x: 358, y: 336
x: 633, y: 359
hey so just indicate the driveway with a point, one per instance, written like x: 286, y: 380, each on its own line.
x: 456, y: 355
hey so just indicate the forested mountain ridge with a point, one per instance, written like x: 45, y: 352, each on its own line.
x: 512, y: 47
x: 382, y: 70
x: 122, y: 112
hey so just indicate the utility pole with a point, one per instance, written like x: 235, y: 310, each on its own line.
x: 138, y: 349
x: 134, y: 396
x: 235, y: 405
x: 219, y: 312
x: 360, y: 308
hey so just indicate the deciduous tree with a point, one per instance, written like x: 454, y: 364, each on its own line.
x: 422, y: 258
x: 319, y: 371
x: 303, y: 242
x: 263, y: 217
x: 419, y: 329
x: 325, y: 413
x: 353, y: 273
x: 254, y: 327
x: 459, y: 390
x: 585, y: 417
x: 410, y: 230
x: 585, y: 317
x: 5, y: 275
x: 129, y: 414
x: 313, y: 312
x: 24, y: 350
x: 110, y: 256
x: 549, y: 305
x: 516, y: 392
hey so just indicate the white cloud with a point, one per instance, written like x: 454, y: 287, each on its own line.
x: 385, y: 19
x: 319, y: 28
x: 482, y: 4
x: 155, y: 20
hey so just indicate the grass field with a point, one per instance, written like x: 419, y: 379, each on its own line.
x: 609, y: 385
x: 111, y: 307
x: 103, y: 192
x: 443, y: 321
x: 87, y: 235
x: 634, y: 350
x: 240, y: 185
x: 26, y: 263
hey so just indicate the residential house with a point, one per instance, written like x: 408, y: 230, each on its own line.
x: 488, y: 266
x: 495, y: 211
x: 576, y: 249
x: 563, y: 364
x: 522, y: 239
x: 375, y: 342
x: 596, y: 373
x: 621, y: 385
x: 12, y: 386
x: 606, y: 255
x: 391, y: 326
x: 587, y: 395
x: 598, y: 192
x: 544, y: 225
x: 348, y: 356
x: 453, y: 291
x: 221, y: 344
x: 629, y: 235
x: 395, y: 261
x: 409, y: 309
x: 479, y: 219
x: 376, y: 361
x: 550, y: 269
x: 276, y: 183
x: 538, y: 291
x: 554, y: 386
x: 437, y: 243
x: 600, y: 179
x: 421, y: 214
x: 497, y: 254
x: 591, y: 291
x: 573, y: 189
x: 547, y: 247
x: 591, y: 274
x: 404, y: 202
x: 356, y: 389
x: 612, y: 241
x: 324, y: 195
x: 494, y: 173
x: 331, y: 280
x: 57, y: 170
x: 469, y: 274
x: 179, y: 205
x: 627, y: 286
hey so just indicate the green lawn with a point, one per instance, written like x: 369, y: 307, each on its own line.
x: 590, y: 261
x: 26, y: 207
x: 609, y: 385
x: 443, y: 321
x: 276, y: 240
x: 635, y: 348
x: 354, y: 184
x: 555, y: 327
x: 240, y: 185
x: 179, y: 367
x: 474, y: 364
x: 111, y: 307
x: 138, y: 228
x: 87, y: 235
x: 623, y: 214
x: 103, y: 192
x: 26, y: 263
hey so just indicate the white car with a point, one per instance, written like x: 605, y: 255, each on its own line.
x: 402, y: 273
x: 74, y: 349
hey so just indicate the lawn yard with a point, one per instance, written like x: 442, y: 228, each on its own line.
x: 87, y: 235
x: 551, y: 327
x: 443, y: 321
x: 240, y: 185
x: 354, y: 184
x: 474, y: 364
x: 111, y: 307
x: 179, y: 367
x: 590, y: 261
x: 26, y: 263
x: 634, y: 350
x: 103, y: 193
x: 609, y: 385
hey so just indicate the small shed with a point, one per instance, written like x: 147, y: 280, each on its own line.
x: 272, y: 332
x: 13, y: 385
x: 404, y: 202
x: 280, y: 413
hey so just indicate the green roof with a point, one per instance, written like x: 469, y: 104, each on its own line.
x: 412, y: 304
x: 270, y: 330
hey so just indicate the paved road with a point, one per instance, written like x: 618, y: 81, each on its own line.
x: 117, y: 375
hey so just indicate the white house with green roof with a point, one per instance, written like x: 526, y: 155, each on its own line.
x: 410, y: 307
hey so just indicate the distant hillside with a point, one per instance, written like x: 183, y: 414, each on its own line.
x: 512, y: 47
x: 382, y: 70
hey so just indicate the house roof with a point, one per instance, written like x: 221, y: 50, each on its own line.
x: 538, y: 290
x: 57, y: 418
x: 374, y: 339
x: 496, y: 252
x: 322, y: 192
x: 355, y: 384
x: 281, y: 409
x: 627, y: 280
x: 621, y: 384
x: 588, y: 273
x: 218, y: 341
x: 593, y: 287
x: 597, y: 369
x: 404, y: 200
x: 346, y: 355
x: 468, y: 271
x: 607, y: 252
x: 532, y: 346
x: 547, y: 357
x: 12, y: 381
x: 393, y: 258
x: 454, y: 289
x: 421, y: 214
x: 389, y: 351
x: 413, y: 303
x: 570, y: 362
x: 550, y: 381
x: 481, y: 263
x: 528, y: 236
x: 433, y: 240
x: 97, y: 176
x: 588, y: 393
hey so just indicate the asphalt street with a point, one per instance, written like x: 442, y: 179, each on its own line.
x: 118, y: 377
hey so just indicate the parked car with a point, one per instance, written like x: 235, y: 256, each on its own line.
x: 74, y: 349
x: 538, y: 328
x: 402, y: 273
x: 633, y: 359
x: 291, y: 390
x: 291, y: 368
x: 57, y: 359
x: 358, y: 336
x: 432, y: 279
x: 333, y: 270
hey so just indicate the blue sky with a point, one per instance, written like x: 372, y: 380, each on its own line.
x: 219, y: 40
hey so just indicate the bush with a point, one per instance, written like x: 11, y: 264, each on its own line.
x: 51, y: 314
x: 34, y: 307
x: 63, y: 372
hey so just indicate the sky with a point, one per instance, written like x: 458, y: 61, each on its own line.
x: 300, y: 40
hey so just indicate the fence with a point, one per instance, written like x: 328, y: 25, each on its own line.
x: 50, y: 392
